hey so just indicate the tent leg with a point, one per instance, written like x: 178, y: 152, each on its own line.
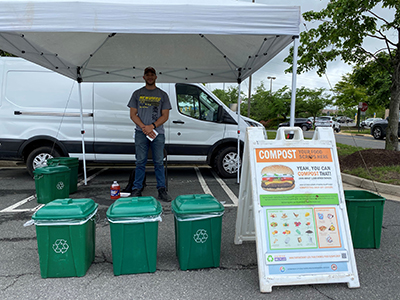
x: 82, y: 133
x: 238, y: 139
x: 294, y: 82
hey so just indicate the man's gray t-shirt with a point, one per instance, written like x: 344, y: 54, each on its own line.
x: 149, y: 104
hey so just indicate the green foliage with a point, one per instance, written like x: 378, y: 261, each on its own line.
x: 344, y: 27
x: 376, y: 78
x: 273, y: 108
x: 347, y: 95
x: 311, y: 102
x: 344, y: 150
x: 266, y: 105
x: 228, y: 97
x: 4, y: 53
x: 388, y: 174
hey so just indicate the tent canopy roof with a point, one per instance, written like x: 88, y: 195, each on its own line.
x: 211, y: 41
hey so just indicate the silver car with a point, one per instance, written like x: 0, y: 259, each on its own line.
x: 327, y: 121
x: 369, y: 122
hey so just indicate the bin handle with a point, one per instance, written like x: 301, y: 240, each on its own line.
x: 200, y: 196
x: 67, y: 201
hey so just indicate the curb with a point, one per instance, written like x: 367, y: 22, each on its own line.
x: 382, y: 188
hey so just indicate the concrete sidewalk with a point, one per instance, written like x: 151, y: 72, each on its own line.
x: 388, y: 191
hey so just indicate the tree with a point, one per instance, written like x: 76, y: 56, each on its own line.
x: 228, y: 97
x: 346, y: 25
x: 347, y: 95
x: 375, y: 77
x: 312, y: 101
x: 266, y: 105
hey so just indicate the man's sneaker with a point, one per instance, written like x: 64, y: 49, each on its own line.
x: 136, y: 193
x: 163, y: 195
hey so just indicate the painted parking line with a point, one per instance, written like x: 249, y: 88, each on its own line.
x: 227, y: 190
x: 13, y: 208
x: 207, y: 190
x: 203, y: 183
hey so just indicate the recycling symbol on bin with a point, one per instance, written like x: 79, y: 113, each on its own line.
x: 200, y: 236
x: 60, y: 185
x: 60, y: 246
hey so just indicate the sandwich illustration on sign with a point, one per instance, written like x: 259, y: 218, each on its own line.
x: 277, y: 178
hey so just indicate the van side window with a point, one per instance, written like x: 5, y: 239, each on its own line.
x: 195, y: 103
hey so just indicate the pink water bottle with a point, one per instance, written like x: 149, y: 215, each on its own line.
x: 115, y: 190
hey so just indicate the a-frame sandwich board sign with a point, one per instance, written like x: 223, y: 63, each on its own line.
x: 291, y: 201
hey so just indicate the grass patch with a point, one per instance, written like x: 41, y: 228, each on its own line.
x: 271, y: 135
x: 390, y: 174
x: 344, y: 150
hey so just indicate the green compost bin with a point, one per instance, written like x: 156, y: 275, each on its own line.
x: 51, y: 182
x: 365, y: 212
x: 134, y: 234
x: 198, y: 226
x: 73, y: 164
x: 65, y: 230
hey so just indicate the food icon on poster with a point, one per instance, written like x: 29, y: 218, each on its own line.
x: 277, y: 178
x: 291, y: 230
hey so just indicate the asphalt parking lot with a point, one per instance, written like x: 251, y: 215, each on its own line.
x: 236, y: 278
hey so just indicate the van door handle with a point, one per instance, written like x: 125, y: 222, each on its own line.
x: 178, y: 122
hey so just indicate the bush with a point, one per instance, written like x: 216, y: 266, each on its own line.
x: 272, y: 123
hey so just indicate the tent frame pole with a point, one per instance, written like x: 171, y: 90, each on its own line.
x: 294, y: 80
x: 79, y: 79
x: 238, y: 133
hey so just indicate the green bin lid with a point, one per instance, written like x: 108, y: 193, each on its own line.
x: 68, y: 208
x: 134, y: 207
x: 51, y: 170
x: 67, y: 161
x: 196, y: 204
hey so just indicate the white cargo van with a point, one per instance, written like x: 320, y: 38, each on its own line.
x: 40, y: 118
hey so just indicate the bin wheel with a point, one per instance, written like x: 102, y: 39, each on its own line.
x: 38, y: 158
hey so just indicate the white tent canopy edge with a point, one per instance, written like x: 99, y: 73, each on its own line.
x: 105, y: 41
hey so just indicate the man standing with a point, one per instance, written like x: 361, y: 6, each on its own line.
x: 149, y: 110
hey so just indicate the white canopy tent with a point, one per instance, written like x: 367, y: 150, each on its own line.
x: 105, y: 41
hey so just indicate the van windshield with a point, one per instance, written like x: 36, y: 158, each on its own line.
x: 195, y: 103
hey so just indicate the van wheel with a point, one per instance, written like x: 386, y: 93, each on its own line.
x: 38, y: 158
x: 226, y: 162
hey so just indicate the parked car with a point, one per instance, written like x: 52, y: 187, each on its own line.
x: 344, y: 119
x: 327, y: 121
x: 304, y: 123
x: 312, y: 119
x: 378, y: 129
x: 369, y: 122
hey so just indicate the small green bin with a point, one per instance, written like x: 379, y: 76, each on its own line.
x: 51, y: 183
x: 65, y: 230
x: 73, y: 164
x: 198, y: 226
x: 134, y: 234
x: 365, y: 211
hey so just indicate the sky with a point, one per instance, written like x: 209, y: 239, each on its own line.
x: 276, y: 67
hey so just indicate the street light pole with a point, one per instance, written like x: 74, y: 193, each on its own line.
x: 270, y: 84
